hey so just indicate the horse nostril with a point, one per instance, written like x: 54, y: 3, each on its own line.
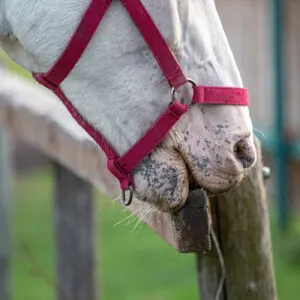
x: 244, y: 151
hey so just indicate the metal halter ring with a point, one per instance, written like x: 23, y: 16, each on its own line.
x: 266, y: 172
x: 128, y: 201
x: 173, y: 89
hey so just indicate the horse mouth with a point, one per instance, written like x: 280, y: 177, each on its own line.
x: 229, y: 182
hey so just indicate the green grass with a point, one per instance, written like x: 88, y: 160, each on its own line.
x: 132, y: 262
x: 286, y: 248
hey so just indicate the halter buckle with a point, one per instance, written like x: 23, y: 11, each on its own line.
x: 118, y: 171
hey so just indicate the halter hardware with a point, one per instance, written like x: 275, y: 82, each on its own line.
x: 127, y: 201
x: 174, y: 90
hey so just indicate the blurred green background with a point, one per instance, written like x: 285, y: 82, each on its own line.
x: 132, y: 262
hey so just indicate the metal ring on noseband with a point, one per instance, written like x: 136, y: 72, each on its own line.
x: 173, y: 89
x: 128, y: 201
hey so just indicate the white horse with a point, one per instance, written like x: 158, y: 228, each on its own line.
x: 119, y: 88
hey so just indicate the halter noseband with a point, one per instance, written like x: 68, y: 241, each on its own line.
x: 122, y: 166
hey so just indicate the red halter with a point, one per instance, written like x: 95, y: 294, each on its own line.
x: 121, y: 166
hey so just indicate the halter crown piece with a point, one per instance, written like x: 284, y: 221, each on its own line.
x: 122, y: 166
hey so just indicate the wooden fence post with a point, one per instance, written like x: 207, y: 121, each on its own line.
x: 241, y: 224
x: 73, y: 217
x: 5, y: 174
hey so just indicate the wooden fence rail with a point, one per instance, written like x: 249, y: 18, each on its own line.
x: 35, y: 115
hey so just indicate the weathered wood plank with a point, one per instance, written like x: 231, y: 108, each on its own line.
x: 5, y: 174
x: 241, y: 223
x: 73, y: 219
x: 35, y: 115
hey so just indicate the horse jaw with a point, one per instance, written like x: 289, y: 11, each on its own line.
x: 118, y: 87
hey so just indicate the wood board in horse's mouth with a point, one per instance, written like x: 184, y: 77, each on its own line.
x: 194, y: 222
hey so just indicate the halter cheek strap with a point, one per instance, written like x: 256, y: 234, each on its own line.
x: 122, y: 166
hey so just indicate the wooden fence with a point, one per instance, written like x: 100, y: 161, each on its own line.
x: 35, y: 115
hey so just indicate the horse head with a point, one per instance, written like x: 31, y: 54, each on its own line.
x: 119, y: 88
